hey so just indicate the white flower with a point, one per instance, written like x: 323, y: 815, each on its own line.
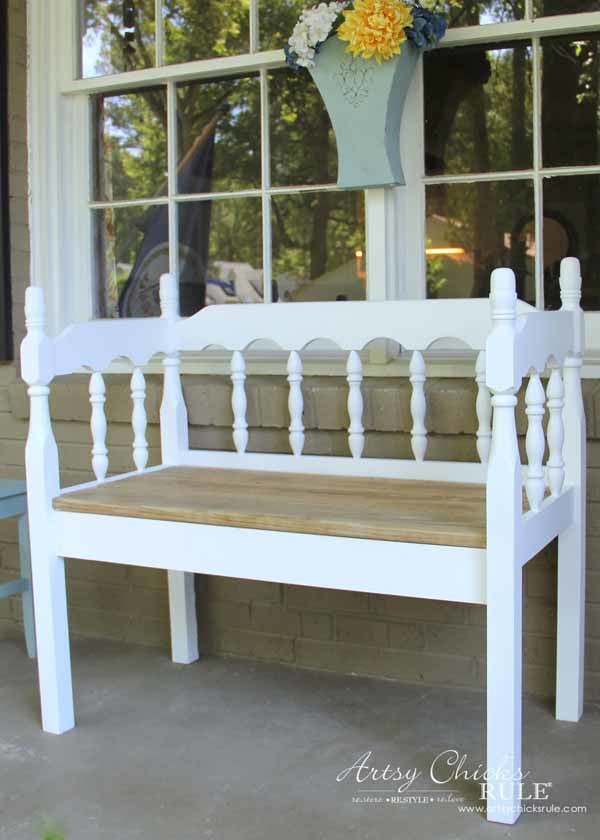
x: 313, y: 28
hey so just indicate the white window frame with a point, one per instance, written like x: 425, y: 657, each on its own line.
x: 60, y: 164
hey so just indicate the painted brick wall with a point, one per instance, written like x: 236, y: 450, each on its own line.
x: 419, y: 641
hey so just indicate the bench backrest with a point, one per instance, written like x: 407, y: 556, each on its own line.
x: 512, y: 337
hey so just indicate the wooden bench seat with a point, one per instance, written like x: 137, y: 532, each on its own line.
x: 439, y: 513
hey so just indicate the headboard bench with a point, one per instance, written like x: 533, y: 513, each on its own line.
x: 420, y: 528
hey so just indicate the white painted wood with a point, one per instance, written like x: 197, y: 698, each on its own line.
x: 418, y: 406
x: 139, y: 421
x: 239, y: 403
x: 173, y: 414
x: 295, y: 402
x: 537, y: 529
x: 356, y: 432
x: 483, y: 408
x: 419, y: 571
x: 98, y: 426
x: 351, y: 325
x: 571, y: 542
x: 470, y: 473
x: 535, y: 400
x: 174, y: 440
x: 95, y: 344
x: 556, y: 433
x: 504, y: 575
x: 47, y: 567
x: 182, y: 613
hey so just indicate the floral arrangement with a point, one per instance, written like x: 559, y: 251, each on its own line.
x: 373, y: 28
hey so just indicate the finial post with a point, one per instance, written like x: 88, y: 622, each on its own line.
x: 169, y: 297
x: 570, y: 295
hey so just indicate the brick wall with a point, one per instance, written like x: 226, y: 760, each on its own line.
x: 419, y: 641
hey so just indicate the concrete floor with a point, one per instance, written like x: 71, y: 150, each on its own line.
x: 232, y: 749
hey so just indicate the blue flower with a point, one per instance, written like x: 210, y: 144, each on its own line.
x: 291, y: 58
x: 427, y: 30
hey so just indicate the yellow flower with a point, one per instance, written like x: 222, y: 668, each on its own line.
x: 375, y: 28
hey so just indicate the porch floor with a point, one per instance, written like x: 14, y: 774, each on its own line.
x: 235, y: 750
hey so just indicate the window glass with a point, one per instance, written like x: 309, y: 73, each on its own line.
x: 219, y: 135
x: 116, y: 36
x: 132, y: 251
x: 473, y: 229
x: 478, y: 109
x: 303, y: 147
x: 196, y: 29
x: 572, y: 229
x: 564, y: 7
x: 277, y: 19
x: 130, y: 154
x: 220, y: 253
x: 571, y: 101
x: 318, y: 246
x: 473, y: 12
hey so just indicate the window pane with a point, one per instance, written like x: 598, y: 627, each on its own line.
x: 219, y: 135
x: 318, y: 246
x: 303, y: 147
x: 478, y: 109
x: 473, y: 12
x: 570, y: 100
x: 132, y: 251
x: 197, y: 29
x: 473, y: 229
x: 572, y: 229
x: 564, y: 7
x: 130, y: 154
x: 220, y: 253
x: 116, y: 35
x: 277, y: 19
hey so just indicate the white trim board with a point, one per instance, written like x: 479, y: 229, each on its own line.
x: 387, y: 568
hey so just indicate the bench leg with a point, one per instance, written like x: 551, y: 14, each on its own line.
x: 184, y: 624
x: 52, y: 631
x: 504, y: 667
x: 570, y: 631
x: 27, y: 596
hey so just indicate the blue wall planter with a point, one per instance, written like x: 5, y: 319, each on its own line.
x: 365, y: 101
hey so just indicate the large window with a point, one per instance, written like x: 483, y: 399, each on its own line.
x: 184, y: 143
x: 229, y: 180
x: 512, y: 158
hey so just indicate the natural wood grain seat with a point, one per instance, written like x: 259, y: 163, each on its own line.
x: 368, y: 508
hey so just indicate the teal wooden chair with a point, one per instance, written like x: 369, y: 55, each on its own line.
x: 13, y: 502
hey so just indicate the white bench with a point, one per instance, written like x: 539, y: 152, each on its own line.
x: 233, y: 514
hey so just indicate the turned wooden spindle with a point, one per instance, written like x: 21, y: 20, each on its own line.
x: 239, y: 403
x: 139, y: 420
x: 535, y: 442
x: 295, y: 402
x: 356, y: 432
x: 98, y: 426
x: 418, y: 406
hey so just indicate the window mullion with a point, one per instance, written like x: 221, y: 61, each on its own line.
x: 528, y: 9
x: 254, y: 27
x: 159, y: 28
x: 265, y: 186
x: 538, y: 185
x: 172, y: 162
